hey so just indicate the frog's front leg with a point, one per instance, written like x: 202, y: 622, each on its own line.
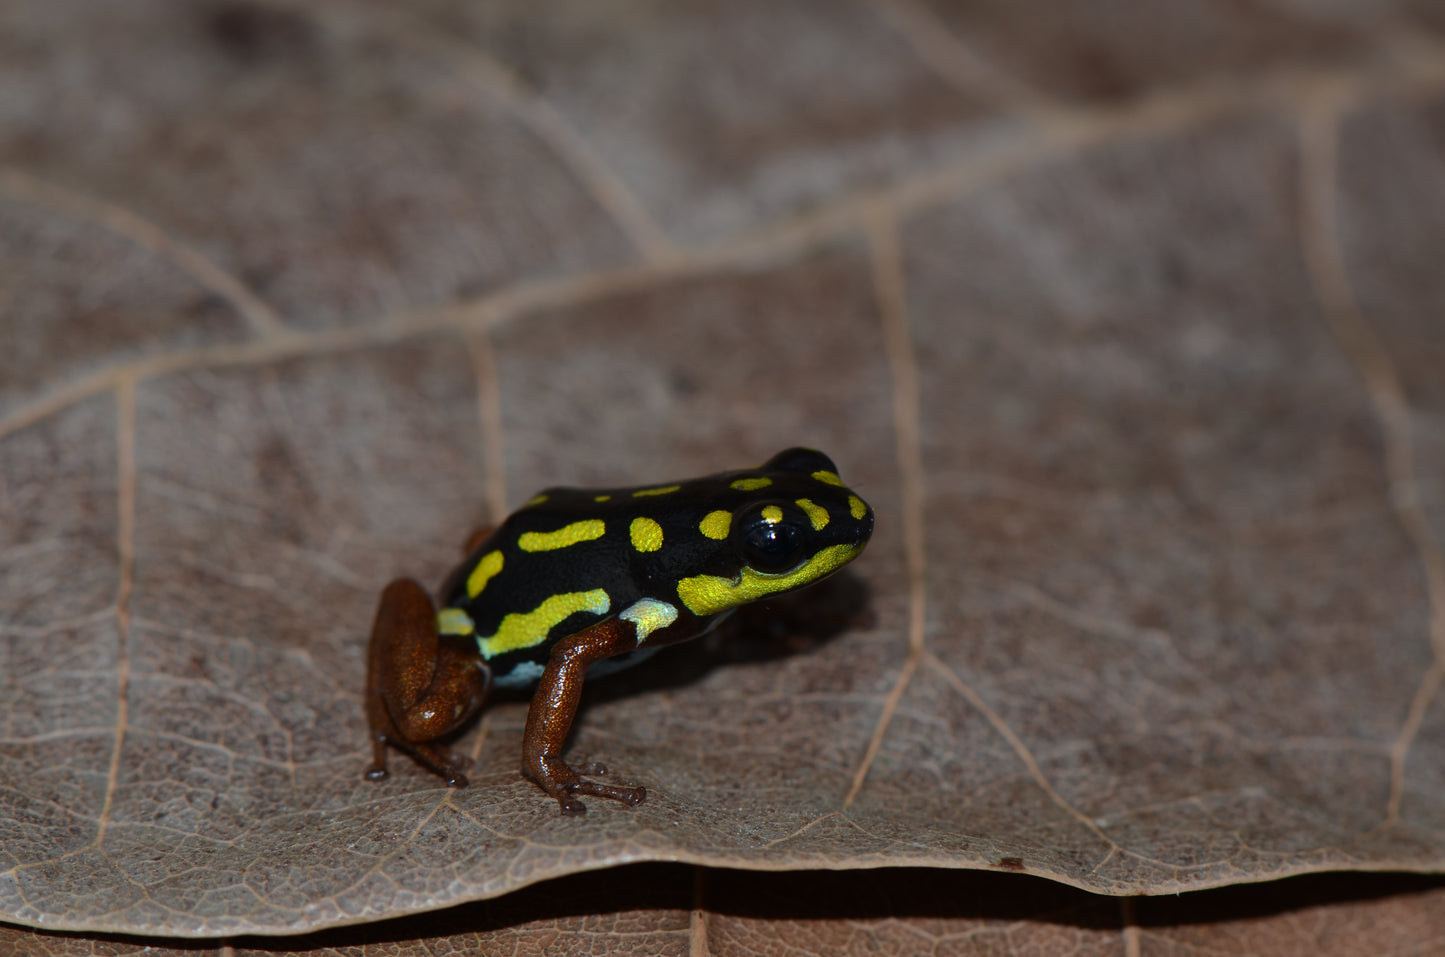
x: 420, y: 685
x: 555, y: 705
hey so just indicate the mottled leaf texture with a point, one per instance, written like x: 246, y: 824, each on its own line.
x: 1128, y: 318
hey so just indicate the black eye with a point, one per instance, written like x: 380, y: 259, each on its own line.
x: 768, y: 541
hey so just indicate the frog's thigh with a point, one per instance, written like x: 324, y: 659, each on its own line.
x: 395, y: 634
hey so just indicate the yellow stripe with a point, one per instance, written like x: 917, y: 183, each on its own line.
x: 454, y: 621
x: 485, y: 571
x: 816, y: 514
x: 772, y: 514
x: 600, y: 498
x: 716, y: 524
x: 750, y: 484
x: 525, y: 629
x: 856, y: 508
x: 646, y: 534
x: 828, y: 478
x: 709, y: 594
x: 660, y: 490
x: 536, y: 500
x: 583, y: 531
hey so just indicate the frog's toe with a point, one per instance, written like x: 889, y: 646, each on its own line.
x: 591, y: 767
x: 564, y: 782
x: 569, y: 805
x: 629, y: 796
x: 459, y: 763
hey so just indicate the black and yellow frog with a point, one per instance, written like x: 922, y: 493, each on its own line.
x: 579, y: 576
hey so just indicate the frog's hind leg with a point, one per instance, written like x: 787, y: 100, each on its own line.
x: 420, y: 684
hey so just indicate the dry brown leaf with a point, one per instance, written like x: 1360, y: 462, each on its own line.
x: 1128, y: 328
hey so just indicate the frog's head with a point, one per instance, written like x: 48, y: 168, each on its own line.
x: 791, y: 523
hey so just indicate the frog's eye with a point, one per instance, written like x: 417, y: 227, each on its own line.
x: 800, y: 460
x: 770, y: 538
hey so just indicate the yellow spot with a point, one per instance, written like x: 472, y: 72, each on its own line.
x: 649, y: 615
x: 660, y: 490
x: 583, y: 531
x: 646, y: 535
x: 525, y: 629
x: 828, y: 478
x: 486, y: 569
x: 716, y: 524
x: 816, y: 514
x: 751, y: 484
x: 709, y: 594
x: 856, y: 508
x: 454, y: 621
x: 772, y: 514
x: 537, y: 499
x: 600, y: 498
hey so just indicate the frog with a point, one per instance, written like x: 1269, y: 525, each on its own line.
x: 582, y: 581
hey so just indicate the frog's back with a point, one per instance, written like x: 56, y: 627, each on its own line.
x: 572, y: 557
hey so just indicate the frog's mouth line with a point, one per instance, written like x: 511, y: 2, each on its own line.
x: 709, y: 594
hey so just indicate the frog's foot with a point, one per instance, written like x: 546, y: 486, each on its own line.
x: 443, y: 762
x: 564, y: 782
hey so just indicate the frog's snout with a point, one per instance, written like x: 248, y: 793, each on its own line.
x: 865, y: 530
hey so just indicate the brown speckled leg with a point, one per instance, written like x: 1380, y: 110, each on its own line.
x: 420, y: 685
x: 555, y: 705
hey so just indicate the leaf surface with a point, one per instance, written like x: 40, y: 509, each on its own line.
x: 1129, y: 334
